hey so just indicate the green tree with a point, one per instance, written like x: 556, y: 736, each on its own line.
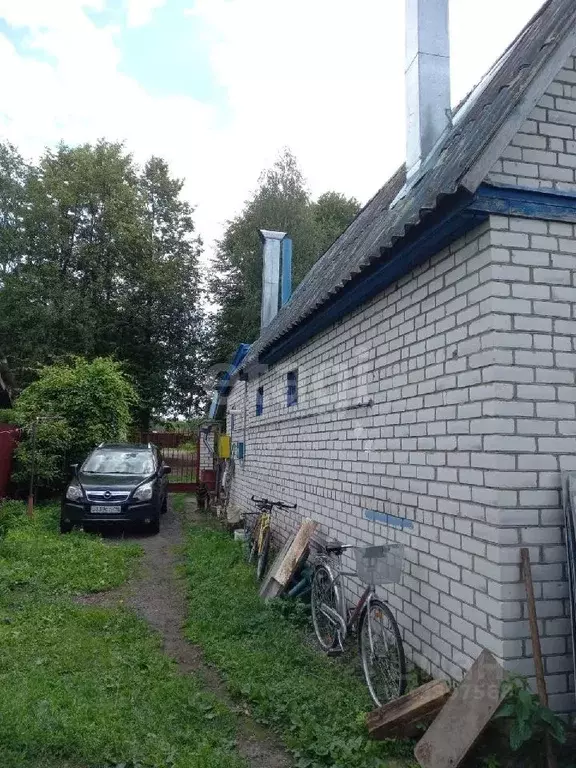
x: 332, y: 213
x: 108, y: 267
x: 13, y: 174
x: 281, y: 202
x: 161, y: 331
x: 75, y: 406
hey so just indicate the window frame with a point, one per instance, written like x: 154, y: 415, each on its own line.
x: 260, y: 401
x: 292, y: 388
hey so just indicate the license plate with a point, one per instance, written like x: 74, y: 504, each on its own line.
x: 102, y: 509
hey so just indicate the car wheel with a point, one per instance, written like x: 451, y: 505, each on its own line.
x: 65, y: 527
x: 154, y: 527
x: 164, y: 505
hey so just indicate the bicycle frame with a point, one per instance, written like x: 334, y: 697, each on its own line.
x: 264, y: 522
x: 338, y: 617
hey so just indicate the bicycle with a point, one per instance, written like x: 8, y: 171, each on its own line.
x: 260, y: 535
x: 379, y: 642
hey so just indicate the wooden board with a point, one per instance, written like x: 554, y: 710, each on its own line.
x: 400, y: 718
x: 466, y: 714
x: 296, y: 551
x: 269, y: 585
x: 284, y: 567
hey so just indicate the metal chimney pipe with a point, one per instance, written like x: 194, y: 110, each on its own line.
x: 427, y: 78
x: 270, y: 275
x: 286, y: 290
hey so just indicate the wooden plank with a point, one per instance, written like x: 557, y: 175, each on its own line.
x: 399, y: 718
x: 536, y: 647
x: 466, y: 714
x: 294, y: 555
x: 288, y: 562
x: 269, y: 585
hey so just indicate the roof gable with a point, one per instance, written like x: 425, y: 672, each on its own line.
x: 482, y: 127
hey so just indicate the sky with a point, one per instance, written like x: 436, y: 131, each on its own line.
x: 218, y: 87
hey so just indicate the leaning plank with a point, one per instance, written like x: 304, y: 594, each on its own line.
x: 283, y: 569
x: 270, y: 587
x: 399, y: 718
x: 464, y: 717
x: 296, y: 551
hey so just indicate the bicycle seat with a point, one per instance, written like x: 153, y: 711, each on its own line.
x: 335, y: 548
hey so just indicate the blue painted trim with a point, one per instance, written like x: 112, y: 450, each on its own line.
x: 452, y: 218
x: 391, y: 520
x: 225, y: 383
x: 286, y: 290
x: 450, y: 221
x: 528, y: 203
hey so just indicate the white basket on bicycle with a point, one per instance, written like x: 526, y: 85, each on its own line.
x: 380, y: 564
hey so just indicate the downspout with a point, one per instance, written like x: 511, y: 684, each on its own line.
x: 244, y: 420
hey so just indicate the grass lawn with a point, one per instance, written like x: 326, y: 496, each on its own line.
x: 318, y: 706
x: 86, y: 686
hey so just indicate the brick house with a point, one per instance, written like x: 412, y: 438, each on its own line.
x: 420, y: 383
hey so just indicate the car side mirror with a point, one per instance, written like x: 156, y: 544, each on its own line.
x: 166, y: 470
x: 74, y: 468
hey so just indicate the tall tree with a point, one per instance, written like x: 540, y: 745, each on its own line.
x: 281, y: 202
x: 109, y: 268
x: 13, y: 173
x: 162, y: 320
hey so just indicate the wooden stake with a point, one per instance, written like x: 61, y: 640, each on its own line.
x: 536, y: 647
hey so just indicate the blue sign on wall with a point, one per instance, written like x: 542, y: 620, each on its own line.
x: 392, y: 520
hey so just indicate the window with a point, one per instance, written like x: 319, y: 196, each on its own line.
x: 292, y: 388
x: 259, y: 401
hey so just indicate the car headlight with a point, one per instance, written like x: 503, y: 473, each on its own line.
x: 74, y: 492
x: 144, y: 492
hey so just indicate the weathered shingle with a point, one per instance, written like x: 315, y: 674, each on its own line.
x: 454, y: 165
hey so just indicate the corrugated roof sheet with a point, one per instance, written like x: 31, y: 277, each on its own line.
x: 476, y: 123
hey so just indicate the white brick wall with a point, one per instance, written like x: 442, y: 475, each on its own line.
x: 543, y: 152
x: 472, y: 416
x: 539, y: 375
x: 449, y: 400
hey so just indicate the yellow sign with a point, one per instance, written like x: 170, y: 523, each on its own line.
x: 224, y: 447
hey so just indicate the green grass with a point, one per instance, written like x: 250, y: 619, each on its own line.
x: 317, y: 705
x: 179, y: 502
x: 88, y: 687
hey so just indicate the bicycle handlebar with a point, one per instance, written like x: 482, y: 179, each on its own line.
x: 268, y: 503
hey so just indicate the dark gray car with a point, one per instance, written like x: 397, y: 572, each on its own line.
x: 118, y: 483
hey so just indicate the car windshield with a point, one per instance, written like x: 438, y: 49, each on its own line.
x: 120, y: 461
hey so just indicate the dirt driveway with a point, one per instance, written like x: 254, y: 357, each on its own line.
x: 158, y: 595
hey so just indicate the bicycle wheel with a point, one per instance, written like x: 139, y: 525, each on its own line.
x: 263, y: 556
x: 325, y: 592
x: 382, y: 653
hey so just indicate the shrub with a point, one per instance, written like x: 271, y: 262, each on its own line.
x: 75, y: 406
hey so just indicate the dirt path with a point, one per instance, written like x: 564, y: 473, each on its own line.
x: 158, y: 595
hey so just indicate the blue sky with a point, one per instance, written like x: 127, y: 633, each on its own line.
x: 218, y: 87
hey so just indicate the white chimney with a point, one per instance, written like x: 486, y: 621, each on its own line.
x: 427, y: 78
x: 270, y: 275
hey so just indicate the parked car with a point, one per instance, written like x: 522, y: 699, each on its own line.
x: 121, y: 483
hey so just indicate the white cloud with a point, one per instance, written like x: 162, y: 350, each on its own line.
x: 140, y: 12
x: 322, y: 76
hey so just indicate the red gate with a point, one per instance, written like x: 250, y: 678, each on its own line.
x: 8, y: 441
x: 181, y: 451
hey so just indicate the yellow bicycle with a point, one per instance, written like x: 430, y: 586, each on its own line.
x: 260, y: 535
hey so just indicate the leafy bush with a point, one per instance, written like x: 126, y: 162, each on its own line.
x: 528, y: 718
x: 75, y: 406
